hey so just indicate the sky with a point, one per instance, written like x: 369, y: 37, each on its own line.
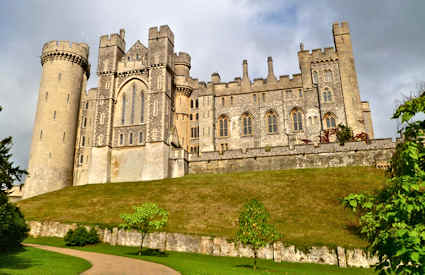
x: 388, y: 42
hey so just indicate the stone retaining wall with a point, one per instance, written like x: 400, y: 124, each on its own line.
x: 375, y: 153
x: 216, y: 246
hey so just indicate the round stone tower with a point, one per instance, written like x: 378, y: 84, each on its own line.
x: 64, y: 76
x: 182, y: 100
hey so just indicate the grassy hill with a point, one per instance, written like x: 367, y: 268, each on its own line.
x: 305, y: 204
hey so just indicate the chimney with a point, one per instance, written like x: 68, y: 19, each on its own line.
x: 246, y: 83
x: 270, y: 76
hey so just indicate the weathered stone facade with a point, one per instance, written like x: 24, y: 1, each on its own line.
x: 149, y: 119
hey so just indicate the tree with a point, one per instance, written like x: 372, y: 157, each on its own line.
x: 146, y: 219
x: 393, y: 220
x: 344, y: 134
x: 13, y: 229
x: 254, y: 229
x: 9, y: 173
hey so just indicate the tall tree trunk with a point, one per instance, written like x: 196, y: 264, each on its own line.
x: 141, y: 244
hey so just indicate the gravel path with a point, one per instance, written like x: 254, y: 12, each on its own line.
x: 105, y: 264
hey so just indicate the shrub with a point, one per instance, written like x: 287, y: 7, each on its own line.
x: 344, y: 134
x: 13, y: 229
x: 81, y: 237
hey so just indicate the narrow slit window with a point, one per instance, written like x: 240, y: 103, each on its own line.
x: 87, y: 105
x: 133, y: 99
x: 121, y: 139
x: 84, y: 122
x: 64, y: 136
x: 46, y: 96
x: 41, y: 134
x: 67, y: 99
x: 197, y: 104
x: 54, y: 115
x: 130, y: 140
x: 140, y: 137
x: 142, y: 109
x: 83, y: 141
x: 81, y: 159
x: 123, y: 110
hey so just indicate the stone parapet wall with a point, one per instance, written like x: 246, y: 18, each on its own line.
x: 375, y: 153
x: 217, y: 246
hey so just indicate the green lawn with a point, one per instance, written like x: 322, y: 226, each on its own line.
x: 197, y: 264
x: 305, y: 204
x: 29, y: 260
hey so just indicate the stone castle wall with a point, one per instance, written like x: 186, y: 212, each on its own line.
x: 216, y: 246
x: 377, y: 153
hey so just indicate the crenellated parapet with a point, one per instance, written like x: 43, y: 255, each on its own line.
x: 319, y: 55
x: 113, y: 39
x: 65, y: 50
x: 182, y: 58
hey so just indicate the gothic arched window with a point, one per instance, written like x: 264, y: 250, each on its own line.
x: 330, y: 120
x: 223, y: 123
x: 297, y: 119
x: 328, y: 75
x: 327, y: 95
x: 246, y: 124
x: 271, y: 122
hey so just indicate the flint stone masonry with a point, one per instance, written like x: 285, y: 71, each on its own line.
x: 375, y: 153
x: 217, y: 246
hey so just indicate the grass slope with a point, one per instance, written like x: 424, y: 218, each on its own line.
x: 197, y: 264
x: 29, y: 260
x: 305, y: 204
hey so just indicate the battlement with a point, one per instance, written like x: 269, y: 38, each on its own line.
x: 163, y: 32
x: 182, y: 58
x: 113, y: 39
x: 81, y: 49
x: 317, y: 55
x: 340, y: 29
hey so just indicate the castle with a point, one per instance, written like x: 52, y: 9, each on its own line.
x: 149, y: 119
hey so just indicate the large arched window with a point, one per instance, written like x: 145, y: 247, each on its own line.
x: 271, y: 119
x: 246, y: 124
x: 327, y: 95
x: 130, y: 105
x: 297, y: 119
x: 330, y: 120
x: 223, y: 124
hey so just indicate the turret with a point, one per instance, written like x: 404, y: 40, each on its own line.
x: 182, y: 100
x: 350, y: 88
x: 64, y: 77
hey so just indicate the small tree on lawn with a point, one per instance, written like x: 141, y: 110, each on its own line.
x: 146, y: 219
x: 254, y: 229
x: 394, y: 219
